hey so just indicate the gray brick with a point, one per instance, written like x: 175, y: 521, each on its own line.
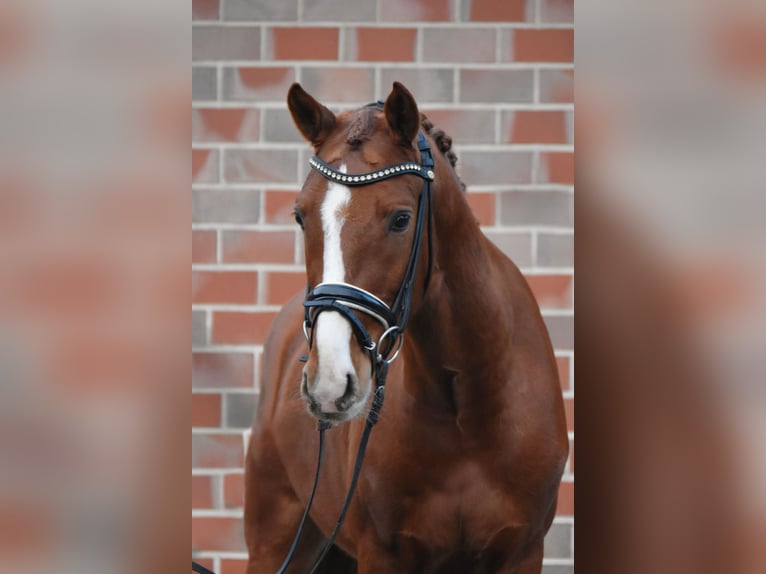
x: 278, y: 126
x: 204, y: 86
x: 339, y: 10
x: 556, y: 86
x: 555, y: 250
x: 492, y: 86
x: 240, y: 409
x: 557, y: 11
x: 561, y: 331
x: 260, y: 10
x: 225, y: 205
x: 258, y: 165
x: 558, y: 541
x: 517, y: 246
x: 495, y: 167
x: 537, y: 208
x: 340, y: 84
x: 427, y: 85
x: 226, y: 43
x: 199, y: 330
x: 458, y: 44
x: 257, y: 84
x: 558, y: 569
x: 465, y: 126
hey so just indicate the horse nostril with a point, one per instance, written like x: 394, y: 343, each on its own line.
x: 345, y: 401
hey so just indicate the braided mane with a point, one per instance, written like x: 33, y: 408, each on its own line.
x: 443, y: 142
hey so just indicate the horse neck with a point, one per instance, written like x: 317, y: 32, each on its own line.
x: 460, y: 332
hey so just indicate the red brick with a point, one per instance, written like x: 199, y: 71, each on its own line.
x: 278, y: 206
x: 238, y: 328
x: 571, y: 456
x: 543, y: 45
x: 266, y: 83
x: 536, y: 127
x: 382, y: 45
x: 552, y: 291
x: 217, y: 450
x: 565, y: 506
x: 556, y: 86
x: 233, y: 566
x: 225, y: 125
x: 483, y: 206
x: 557, y: 167
x: 304, y: 43
x: 416, y: 10
x: 282, y: 285
x: 206, y: 410
x: 222, y: 370
x: 233, y: 490
x: 204, y: 165
x: 203, y: 246
x: 259, y: 246
x: 499, y: 11
x: 205, y: 9
x: 562, y: 363
x: 202, y: 491
x: 218, y: 533
x: 570, y: 413
x: 224, y: 287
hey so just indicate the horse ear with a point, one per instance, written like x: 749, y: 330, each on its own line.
x: 313, y: 120
x: 402, y: 114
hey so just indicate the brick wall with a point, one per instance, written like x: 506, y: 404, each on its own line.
x: 497, y: 76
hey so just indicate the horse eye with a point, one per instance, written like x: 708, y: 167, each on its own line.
x: 400, y: 222
x: 299, y: 219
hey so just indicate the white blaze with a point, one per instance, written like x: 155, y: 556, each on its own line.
x: 333, y: 332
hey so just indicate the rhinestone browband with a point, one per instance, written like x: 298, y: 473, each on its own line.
x: 364, y: 178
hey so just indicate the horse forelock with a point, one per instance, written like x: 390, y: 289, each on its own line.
x: 361, y: 128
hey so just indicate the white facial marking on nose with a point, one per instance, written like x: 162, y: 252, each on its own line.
x: 333, y: 332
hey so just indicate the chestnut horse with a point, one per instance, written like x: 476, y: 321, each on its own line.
x: 462, y: 471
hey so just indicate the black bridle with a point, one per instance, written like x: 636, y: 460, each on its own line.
x: 348, y: 300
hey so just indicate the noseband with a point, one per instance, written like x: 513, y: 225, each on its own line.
x: 349, y: 299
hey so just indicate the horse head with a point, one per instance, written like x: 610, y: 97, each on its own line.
x: 358, y: 209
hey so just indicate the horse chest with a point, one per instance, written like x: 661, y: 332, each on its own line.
x: 463, y: 508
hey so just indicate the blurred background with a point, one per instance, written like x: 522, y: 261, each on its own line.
x: 94, y: 248
x: 496, y: 76
x: 671, y: 315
